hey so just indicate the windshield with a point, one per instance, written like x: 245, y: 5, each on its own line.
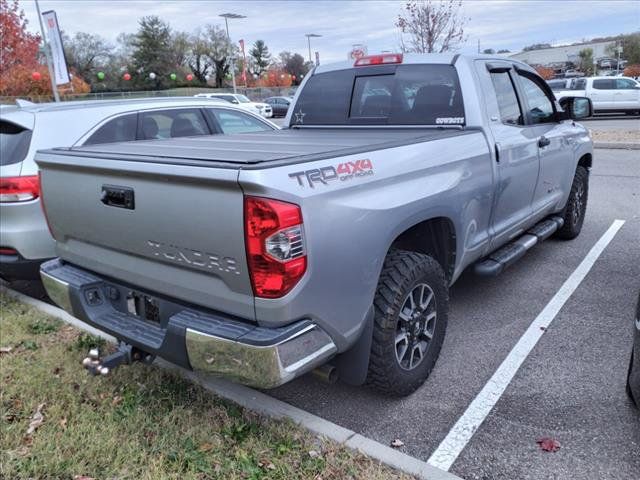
x: 243, y: 99
x: 382, y: 95
x: 14, y: 143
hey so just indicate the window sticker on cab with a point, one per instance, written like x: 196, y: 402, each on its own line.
x: 449, y: 120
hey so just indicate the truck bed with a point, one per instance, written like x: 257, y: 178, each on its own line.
x: 254, y: 149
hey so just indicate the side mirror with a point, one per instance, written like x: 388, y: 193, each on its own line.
x: 576, y: 108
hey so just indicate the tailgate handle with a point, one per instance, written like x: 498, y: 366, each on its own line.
x: 120, y: 197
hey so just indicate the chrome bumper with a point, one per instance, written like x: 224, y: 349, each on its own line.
x: 260, y: 366
x: 267, y: 358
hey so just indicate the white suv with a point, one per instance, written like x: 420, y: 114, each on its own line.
x: 242, y: 101
x: 25, y: 240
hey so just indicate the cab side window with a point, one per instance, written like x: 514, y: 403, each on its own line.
x: 539, y: 105
x: 510, y: 112
x: 604, y: 84
x: 120, y: 129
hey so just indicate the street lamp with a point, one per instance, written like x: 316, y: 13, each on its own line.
x: 233, y: 16
x: 309, y: 36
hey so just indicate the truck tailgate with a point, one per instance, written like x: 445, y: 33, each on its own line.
x: 174, y: 230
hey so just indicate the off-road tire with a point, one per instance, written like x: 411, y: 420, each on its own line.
x: 401, y: 273
x: 576, y: 203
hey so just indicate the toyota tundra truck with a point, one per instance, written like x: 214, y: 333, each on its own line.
x: 330, y: 244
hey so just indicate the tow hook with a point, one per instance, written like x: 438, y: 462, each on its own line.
x: 125, y: 354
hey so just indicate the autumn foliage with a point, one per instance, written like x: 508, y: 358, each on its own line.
x: 273, y: 77
x: 19, y: 58
x: 545, y: 72
x: 632, y: 70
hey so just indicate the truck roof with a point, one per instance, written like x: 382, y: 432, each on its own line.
x: 278, y: 146
x: 427, y: 58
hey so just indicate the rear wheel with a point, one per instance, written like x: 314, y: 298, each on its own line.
x: 576, y: 207
x: 411, y: 306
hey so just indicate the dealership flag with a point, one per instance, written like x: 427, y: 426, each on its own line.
x: 55, y: 41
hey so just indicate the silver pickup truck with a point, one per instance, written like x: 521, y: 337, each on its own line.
x: 330, y: 244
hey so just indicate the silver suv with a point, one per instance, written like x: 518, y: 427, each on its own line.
x: 25, y: 240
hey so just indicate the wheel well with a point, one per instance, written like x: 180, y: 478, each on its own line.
x: 585, y: 161
x: 435, y: 237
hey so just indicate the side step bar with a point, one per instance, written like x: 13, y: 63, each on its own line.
x: 507, y: 255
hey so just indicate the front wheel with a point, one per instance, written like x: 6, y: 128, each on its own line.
x: 576, y: 207
x: 411, y: 306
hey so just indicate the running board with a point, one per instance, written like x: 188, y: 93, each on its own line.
x: 507, y: 255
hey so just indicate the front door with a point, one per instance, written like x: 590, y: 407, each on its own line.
x: 553, y: 140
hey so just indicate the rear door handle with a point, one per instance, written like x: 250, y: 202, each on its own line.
x: 543, y: 141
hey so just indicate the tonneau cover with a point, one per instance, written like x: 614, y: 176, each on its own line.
x: 253, y: 148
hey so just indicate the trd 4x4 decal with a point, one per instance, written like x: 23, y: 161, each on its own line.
x: 342, y: 172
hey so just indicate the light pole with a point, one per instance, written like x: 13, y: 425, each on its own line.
x: 309, y: 36
x: 233, y: 16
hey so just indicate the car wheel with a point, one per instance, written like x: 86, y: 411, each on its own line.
x: 576, y: 207
x: 411, y: 306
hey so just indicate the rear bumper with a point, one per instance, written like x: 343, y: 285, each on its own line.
x: 189, y: 337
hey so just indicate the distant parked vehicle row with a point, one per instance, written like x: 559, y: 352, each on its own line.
x: 26, y: 128
x: 607, y: 94
x: 241, y: 101
x: 279, y: 105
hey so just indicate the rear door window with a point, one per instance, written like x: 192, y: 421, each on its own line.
x: 120, y: 129
x: 510, y: 111
x: 231, y: 122
x: 14, y: 143
x: 604, y: 84
x: 625, y: 84
x: 173, y: 123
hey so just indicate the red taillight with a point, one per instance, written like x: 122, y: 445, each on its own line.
x: 8, y: 251
x: 276, y: 252
x: 19, y: 189
x: 381, y: 59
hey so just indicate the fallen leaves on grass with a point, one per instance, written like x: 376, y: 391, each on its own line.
x: 6, y: 349
x: 82, y: 477
x: 37, y: 419
x: 314, y: 453
x: 63, y: 423
x: 548, y: 444
x: 266, y: 464
x: 397, y: 443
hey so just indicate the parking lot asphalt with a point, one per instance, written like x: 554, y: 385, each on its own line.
x: 570, y: 388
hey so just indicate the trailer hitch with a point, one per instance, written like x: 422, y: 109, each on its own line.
x: 125, y: 354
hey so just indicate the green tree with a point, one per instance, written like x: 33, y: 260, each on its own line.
x: 586, y: 61
x: 630, y: 48
x: 294, y: 64
x: 152, y: 53
x: 260, y: 57
x: 489, y: 51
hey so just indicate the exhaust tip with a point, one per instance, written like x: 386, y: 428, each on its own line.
x: 327, y: 373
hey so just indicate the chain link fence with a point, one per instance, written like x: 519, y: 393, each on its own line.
x: 256, y: 94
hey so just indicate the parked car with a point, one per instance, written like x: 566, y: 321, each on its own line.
x: 242, y: 101
x: 279, y: 105
x: 633, y: 377
x: 608, y: 94
x: 25, y: 240
x: 559, y: 84
x: 262, y: 256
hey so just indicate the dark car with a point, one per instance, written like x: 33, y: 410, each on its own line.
x: 633, y: 379
x: 279, y: 105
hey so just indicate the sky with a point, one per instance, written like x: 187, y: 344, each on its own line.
x: 497, y: 24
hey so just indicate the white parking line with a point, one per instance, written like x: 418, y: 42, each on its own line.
x: 459, y: 436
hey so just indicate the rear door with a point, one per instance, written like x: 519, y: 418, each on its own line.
x: 516, y: 150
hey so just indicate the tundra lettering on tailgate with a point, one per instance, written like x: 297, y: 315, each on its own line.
x: 342, y: 172
x: 196, y: 258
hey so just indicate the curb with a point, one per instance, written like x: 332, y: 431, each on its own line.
x: 617, y: 145
x: 271, y: 407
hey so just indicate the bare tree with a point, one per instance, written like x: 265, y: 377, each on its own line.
x: 86, y: 52
x: 431, y: 26
x: 219, y: 52
x: 198, y: 59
